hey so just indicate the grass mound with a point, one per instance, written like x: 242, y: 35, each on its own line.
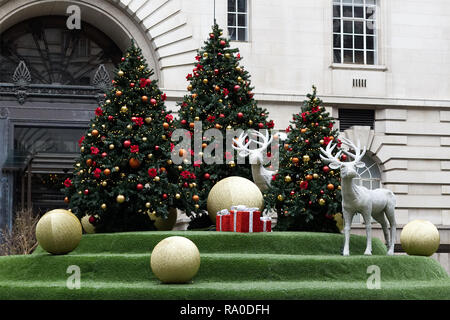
x: 274, y: 265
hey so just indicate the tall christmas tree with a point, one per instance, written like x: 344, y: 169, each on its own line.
x: 124, y: 177
x: 306, y: 192
x: 220, y: 96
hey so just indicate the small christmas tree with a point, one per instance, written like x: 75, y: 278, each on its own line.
x: 125, y: 177
x: 305, y: 191
x: 220, y: 96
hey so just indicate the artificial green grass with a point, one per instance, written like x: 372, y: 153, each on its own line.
x: 274, y: 265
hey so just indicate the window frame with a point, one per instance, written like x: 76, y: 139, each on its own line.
x: 365, y: 20
x: 237, y: 27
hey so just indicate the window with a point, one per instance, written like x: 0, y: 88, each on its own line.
x: 356, y: 117
x: 354, y: 31
x: 369, y: 175
x: 238, y: 20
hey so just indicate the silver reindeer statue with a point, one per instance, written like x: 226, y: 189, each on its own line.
x: 378, y: 203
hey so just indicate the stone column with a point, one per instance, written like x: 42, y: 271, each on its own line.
x: 6, y: 180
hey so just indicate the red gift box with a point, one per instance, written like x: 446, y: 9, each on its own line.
x: 266, y: 224
x: 248, y: 221
x: 224, y: 221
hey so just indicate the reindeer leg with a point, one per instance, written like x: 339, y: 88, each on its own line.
x: 368, y: 223
x: 390, y: 211
x: 347, y: 226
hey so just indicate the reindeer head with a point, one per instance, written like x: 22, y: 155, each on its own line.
x: 256, y: 156
x: 348, y: 169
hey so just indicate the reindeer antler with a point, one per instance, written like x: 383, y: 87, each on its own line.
x: 240, y: 145
x: 243, y: 148
x: 328, y: 154
x: 358, y: 155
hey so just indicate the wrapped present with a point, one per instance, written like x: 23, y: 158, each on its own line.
x: 248, y: 220
x: 220, y: 219
x: 266, y: 223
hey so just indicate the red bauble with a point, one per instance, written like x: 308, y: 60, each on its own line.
x: 211, y: 35
x: 86, y: 192
x: 139, y: 187
x: 344, y: 157
x: 157, y: 148
x: 223, y: 43
x: 207, y: 176
x: 153, y: 102
x: 326, y: 169
x: 307, y: 141
x: 292, y: 192
x: 132, y: 85
x: 165, y: 196
x: 322, y: 192
x: 183, y: 122
x: 261, y: 125
x: 236, y: 88
x: 110, y: 118
x: 310, y: 203
x: 216, y: 71
x: 221, y: 115
x: 123, y: 59
x: 185, y: 185
x: 240, y: 115
x: 127, y: 143
x: 104, y: 155
x: 148, y: 82
x: 92, y: 219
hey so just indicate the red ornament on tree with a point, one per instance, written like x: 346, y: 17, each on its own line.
x: 207, y: 176
x: 223, y: 43
x: 92, y: 219
x: 344, y: 157
x: 127, y: 143
x: 139, y: 187
x: 326, y: 169
x: 240, y: 115
x: 153, y: 102
x: 236, y: 88
x: 86, y: 192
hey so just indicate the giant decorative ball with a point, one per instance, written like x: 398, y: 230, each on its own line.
x: 59, y: 231
x: 175, y: 260
x: 420, y: 238
x: 87, y: 226
x: 162, y: 224
x: 233, y: 191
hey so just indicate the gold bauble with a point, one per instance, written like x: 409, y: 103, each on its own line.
x: 233, y: 191
x: 175, y: 260
x: 250, y: 122
x: 205, y: 81
x: 420, y: 238
x: 129, y: 127
x: 111, y: 147
x: 315, y: 176
x: 87, y: 226
x: 162, y: 224
x: 104, y: 184
x: 287, y: 179
x: 148, y: 120
x: 197, y: 118
x: 149, y: 156
x: 322, y: 202
x: 178, y: 196
x: 148, y: 205
x: 116, y: 169
x: 59, y: 231
x: 120, y: 198
x: 280, y: 198
x: 157, y: 179
x: 124, y: 109
x: 120, y: 73
x: 82, y: 149
x: 306, y: 158
x: 227, y: 55
x: 144, y: 139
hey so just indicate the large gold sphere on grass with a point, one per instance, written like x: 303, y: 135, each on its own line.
x: 162, y: 224
x: 59, y: 231
x: 175, y: 260
x: 420, y: 238
x: 233, y: 191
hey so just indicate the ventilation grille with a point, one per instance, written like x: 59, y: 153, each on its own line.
x: 359, y: 83
x: 356, y: 117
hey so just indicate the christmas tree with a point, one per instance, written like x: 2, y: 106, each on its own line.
x: 124, y: 177
x: 220, y: 97
x: 305, y: 192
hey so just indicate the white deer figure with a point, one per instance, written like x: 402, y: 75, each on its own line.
x: 378, y: 203
x: 262, y: 177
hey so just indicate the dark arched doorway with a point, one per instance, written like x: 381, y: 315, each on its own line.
x: 51, y: 81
